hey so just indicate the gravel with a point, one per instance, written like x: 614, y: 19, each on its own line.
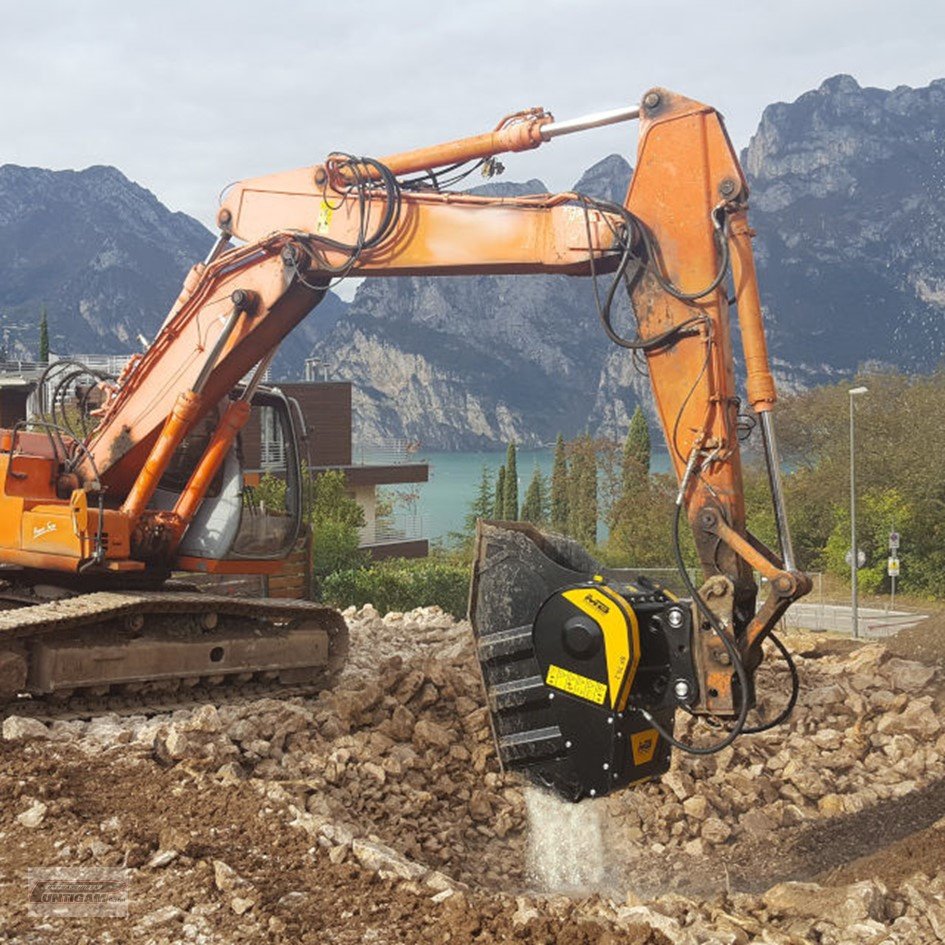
x: 391, y: 779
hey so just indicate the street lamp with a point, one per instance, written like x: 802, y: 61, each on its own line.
x: 854, y: 552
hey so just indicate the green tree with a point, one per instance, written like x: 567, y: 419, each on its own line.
x: 498, y: 505
x: 270, y: 493
x: 330, y: 501
x: 636, y: 452
x: 535, y: 508
x: 559, y: 488
x: 335, y: 518
x: 482, y: 505
x: 43, y: 337
x: 582, y: 495
x: 510, y: 500
x: 878, y: 512
x: 335, y: 547
x: 384, y: 502
x: 900, y: 478
x: 642, y: 533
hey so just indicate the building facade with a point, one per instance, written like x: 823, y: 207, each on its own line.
x: 326, y: 421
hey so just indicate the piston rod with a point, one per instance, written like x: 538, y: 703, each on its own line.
x: 555, y: 129
x: 773, y: 461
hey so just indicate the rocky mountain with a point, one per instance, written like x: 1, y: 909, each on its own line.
x: 100, y: 253
x: 848, y: 199
x: 106, y: 259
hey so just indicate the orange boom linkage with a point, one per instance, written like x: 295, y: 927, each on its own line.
x: 679, y: 238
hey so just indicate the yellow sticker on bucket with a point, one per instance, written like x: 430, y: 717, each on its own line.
x: 575, y: 685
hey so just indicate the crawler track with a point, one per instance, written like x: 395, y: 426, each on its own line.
x: 71, y: 613
x: 110, y: 625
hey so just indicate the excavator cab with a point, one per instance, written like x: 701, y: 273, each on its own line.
x: 270, y: 523
x: 253, y: 508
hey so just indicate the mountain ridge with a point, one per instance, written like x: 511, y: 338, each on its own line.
x: 847, y: 199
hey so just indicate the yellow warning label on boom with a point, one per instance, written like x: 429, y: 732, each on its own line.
x: 575, y: 685
x: 325, y: 213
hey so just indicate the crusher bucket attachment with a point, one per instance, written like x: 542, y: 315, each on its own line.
x: 570, y: 655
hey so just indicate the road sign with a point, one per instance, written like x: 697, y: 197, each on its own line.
x: 892, y: 567
x: 860, y: 557
x: 894, y: 542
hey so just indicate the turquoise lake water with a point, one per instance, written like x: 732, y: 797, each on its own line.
x: 454, y: 481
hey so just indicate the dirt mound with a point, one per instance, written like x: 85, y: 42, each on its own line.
x: 865, y: 737
x: 377, y: 812
x: 925, y: 641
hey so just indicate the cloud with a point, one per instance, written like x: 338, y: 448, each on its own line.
x: 185, y: 97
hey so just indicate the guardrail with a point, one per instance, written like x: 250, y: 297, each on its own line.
x: 23, y: 367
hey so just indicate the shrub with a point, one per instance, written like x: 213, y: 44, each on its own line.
x: 401, y: 584
x: 335, y: 547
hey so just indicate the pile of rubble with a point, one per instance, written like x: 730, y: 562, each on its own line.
x: 866, y: 730
x: 386, y: 790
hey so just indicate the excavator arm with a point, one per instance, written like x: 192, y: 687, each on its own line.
x: 679, y: 244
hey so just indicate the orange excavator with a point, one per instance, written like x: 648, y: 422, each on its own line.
x: 583, y: 672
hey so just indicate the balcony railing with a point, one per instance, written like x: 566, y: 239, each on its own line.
x: 392, y: 452
x: 272, y: 454
x: 393, y: 529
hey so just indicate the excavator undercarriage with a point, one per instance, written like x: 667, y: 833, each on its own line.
x: 120, y: 642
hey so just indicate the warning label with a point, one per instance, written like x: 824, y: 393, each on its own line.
x: 575, y: 685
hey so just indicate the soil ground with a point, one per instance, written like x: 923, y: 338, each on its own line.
x: 377, y: 813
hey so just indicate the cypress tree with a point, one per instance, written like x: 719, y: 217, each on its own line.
x: 510, y: 503
x: 582, y: 521
x: 43, y: 337
x: 560, y: 488
x: 482, y: 504
x: 498, y: 507
x: 535, y: 506
x: 636, y: 453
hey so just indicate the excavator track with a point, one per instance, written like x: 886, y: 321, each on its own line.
x: 150, y: 651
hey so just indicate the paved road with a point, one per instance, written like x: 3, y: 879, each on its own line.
x: 873, y: 621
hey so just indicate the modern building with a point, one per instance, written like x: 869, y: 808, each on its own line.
x: 325, y: 407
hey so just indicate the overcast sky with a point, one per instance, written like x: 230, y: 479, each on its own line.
x: 185, y: 97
